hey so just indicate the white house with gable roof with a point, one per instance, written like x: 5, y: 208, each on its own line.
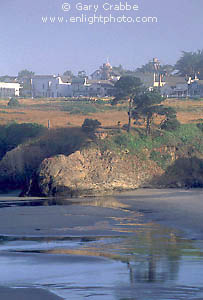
x: 50, y: 86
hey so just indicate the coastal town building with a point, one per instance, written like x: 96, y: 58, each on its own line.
x: 150, y: 80
x: 50, y: 86
x: 61, y: 86
x: 100, y: 88
x: 9, y: 89
x: 79, y: 87
x: 91, y: 88
x: 105, y: 72
x: 195, y: 87
x: 175, y: 87
x: 101, y: 84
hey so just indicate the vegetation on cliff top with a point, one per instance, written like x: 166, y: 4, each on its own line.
x: 13, y: 134
x: 157, y: 136
x: 186, y: 134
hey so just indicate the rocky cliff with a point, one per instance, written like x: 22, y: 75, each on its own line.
x: 91, y: 172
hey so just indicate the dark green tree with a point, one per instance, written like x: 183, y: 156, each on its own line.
x: 68, y: 73
x: 170, y: 121
x: 25, y: 78
x: 127, y: 88
x: 190, y: 64
x: 161, y: 69
x: 25, y: 74
x: 148, y: 105
x: 119, y: 70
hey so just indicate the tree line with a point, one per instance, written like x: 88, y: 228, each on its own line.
x: 189, y: 64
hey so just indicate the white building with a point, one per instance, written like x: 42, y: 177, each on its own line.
x: 50, y: 86
x: 8, y: 89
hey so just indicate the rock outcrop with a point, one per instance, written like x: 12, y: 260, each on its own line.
x: 91, y: 172
x: 18, y: 164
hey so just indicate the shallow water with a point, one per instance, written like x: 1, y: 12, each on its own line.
x: 135, y: 259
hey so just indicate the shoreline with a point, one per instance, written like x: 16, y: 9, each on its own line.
x: 180, y: 209
x: 172, y: 207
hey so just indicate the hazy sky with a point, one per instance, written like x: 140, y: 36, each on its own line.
x: 27, y: 42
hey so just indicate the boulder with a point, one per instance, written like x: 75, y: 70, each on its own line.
x: 90, y: 172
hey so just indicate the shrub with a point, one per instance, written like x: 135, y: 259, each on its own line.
x: 170, y: 124
x: 90, y: 125
x: 122, y: 140
x: 200, y: 126
x: 13, y: 102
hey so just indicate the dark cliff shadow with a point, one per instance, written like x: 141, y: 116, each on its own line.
x: 183, y: 173
x: 19, y: 165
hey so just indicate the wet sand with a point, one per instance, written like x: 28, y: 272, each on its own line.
x: 182, y: 209
x: 178, y: 209
x: 25, y: 294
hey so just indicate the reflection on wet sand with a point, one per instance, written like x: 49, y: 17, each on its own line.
x: 108, y: 202
x: 135, y: 259
x: 152, y: 254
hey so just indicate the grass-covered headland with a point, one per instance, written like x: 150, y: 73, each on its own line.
x: 177, y: 150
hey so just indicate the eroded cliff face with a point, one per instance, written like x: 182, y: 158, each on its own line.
x: 91, y: 172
